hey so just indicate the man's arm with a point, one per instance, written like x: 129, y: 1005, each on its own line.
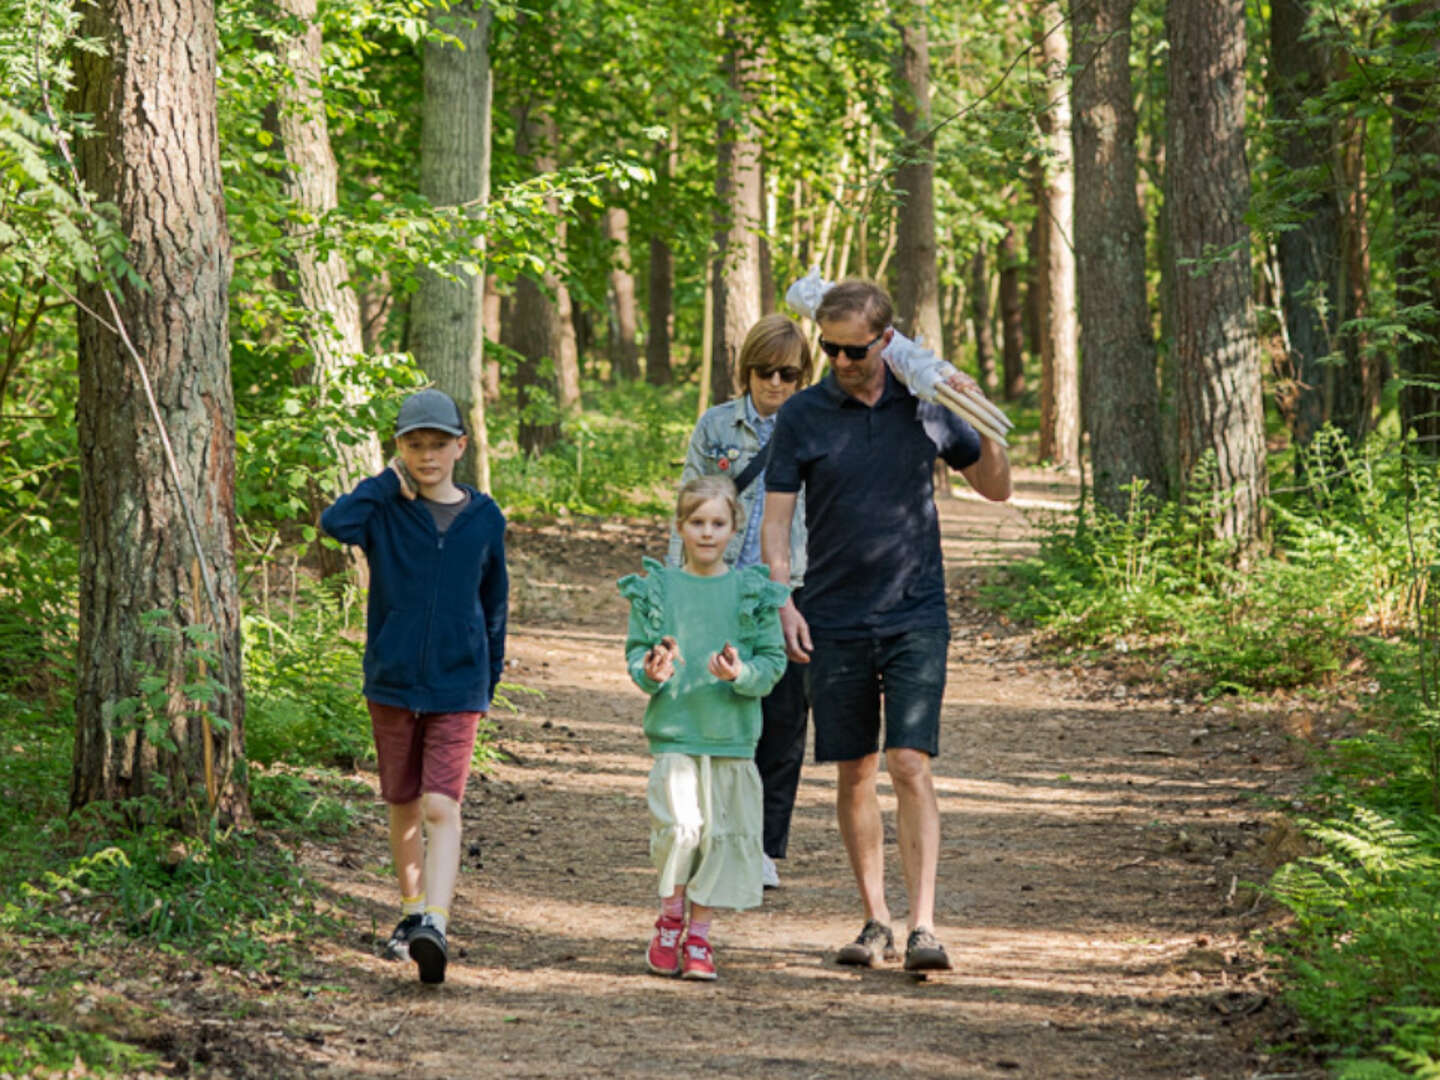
x: 775, y: 552
x: 990, y: 476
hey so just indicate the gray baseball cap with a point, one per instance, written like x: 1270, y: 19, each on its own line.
x: 430, y: 409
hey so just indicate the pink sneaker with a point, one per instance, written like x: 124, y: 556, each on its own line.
x: 699, y: 960
x: 663, y: 956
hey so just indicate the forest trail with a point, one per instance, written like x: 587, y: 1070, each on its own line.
x: 1097, y: 836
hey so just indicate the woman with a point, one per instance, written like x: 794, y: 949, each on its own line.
x: 731, y: 440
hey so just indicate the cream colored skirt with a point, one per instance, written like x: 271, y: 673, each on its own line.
x: 705, y: 824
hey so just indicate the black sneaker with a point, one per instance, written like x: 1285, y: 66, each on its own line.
x: 429, y: 951
x: 875, y: 941
x: 398, y: 947
x: 924, y: 953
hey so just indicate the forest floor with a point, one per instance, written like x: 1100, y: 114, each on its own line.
x: 1100, y: 825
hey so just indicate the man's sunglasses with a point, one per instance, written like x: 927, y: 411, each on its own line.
x: 787, y: 374
x: 854, y: 352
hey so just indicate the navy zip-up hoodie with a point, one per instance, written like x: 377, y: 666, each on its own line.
x: 435, y: 627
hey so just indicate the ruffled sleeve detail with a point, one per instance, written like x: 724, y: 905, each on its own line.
x: 758, y: 597
x: 646, y: 594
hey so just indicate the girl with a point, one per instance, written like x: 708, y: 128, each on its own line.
x: 704, y: 642
x: 732, y: 439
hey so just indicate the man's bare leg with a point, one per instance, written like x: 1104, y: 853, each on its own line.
x: 918, y: 821
x: 858, y: 811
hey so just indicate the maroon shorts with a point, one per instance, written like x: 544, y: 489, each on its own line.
x: 420, y: 752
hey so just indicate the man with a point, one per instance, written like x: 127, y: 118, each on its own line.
x: 873, y: 624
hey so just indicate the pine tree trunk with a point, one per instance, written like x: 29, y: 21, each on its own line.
x: 657, y: 341
x: 736, y: 267
x: 1121, y: 398
x: 624, y: 355
x: 532, y: 324
x: 447, y: 332
x: 1416, y: 194
x: 661, y: 280
x: 1012, y: 317
x: 1219, y: 403
x: 917, y: 275
x: 1315, y: 258
x: 155, y: 157
x: 980, y: 319
x: 1059, y: 340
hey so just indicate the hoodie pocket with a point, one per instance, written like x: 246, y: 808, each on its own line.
x: 457, y: 646
x: 393, y: 658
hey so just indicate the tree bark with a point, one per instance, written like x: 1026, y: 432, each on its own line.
x: 1219, y: 403
x: 1059, y: 344
x: 1121, y: 397
x: 917, y: 274
x: 1416, y: 194
x: 155, y: 156
x: 531, y: 323
x: 624, y: 353
x: 1330, y: 371
x: 1012, y: 317
x: 490, y: 320
x: 447, y: 331
x: 736, y: 267
x: 980, y: 319
x: 661, y: 306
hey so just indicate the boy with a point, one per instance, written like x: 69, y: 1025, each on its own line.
x: 434, y: 649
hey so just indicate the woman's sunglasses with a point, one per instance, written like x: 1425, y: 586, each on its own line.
x: 854, y: 352
x: 787, y: 374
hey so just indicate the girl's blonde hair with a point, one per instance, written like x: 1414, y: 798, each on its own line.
x: 701, y: 489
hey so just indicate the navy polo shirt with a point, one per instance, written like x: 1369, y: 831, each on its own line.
x: 874, y: 564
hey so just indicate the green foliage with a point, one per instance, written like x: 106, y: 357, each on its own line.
x: 1363, y: 953
x: 229, y: 898
x: 1158, y: 578
x: 621, y: 455
x: 35, y: 1047
x: 303, y: 701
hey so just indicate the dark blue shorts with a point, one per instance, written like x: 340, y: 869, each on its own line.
x: 850, y: 679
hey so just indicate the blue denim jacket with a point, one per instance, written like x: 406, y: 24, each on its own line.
x: 724, y: 434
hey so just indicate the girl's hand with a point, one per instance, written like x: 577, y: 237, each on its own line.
x: 725, y: 665
x: 407, y: 482
x: 661, y: 659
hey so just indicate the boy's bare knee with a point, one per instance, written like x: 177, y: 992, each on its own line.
x: 440, y: 809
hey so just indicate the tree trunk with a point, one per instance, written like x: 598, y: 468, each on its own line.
x: 1121, y: 398
x: 917, y: 275
x: 447, y: 333
x: 980, y: 319
x: 1316, y: 256
x: 624, y: 353
x: 1219, y: 403
x: 660, y: 327
x: 155, y: 157
x: 1059, y: 335
x: 736, y: 267
x: 490, y: 320
x: 1416, y: 194
x: 1012, y: 317
x: 532, y: 324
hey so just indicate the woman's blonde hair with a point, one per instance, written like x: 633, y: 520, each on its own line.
x: 701, y: 489
x: 773, y: 342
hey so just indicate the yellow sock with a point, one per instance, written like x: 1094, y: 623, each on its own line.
x: 439, y: 916
x: 412, y: 905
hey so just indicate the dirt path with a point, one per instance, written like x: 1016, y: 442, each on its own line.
x: 1096, y: 839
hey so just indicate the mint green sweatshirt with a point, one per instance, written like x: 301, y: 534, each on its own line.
x: 693, y: 712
